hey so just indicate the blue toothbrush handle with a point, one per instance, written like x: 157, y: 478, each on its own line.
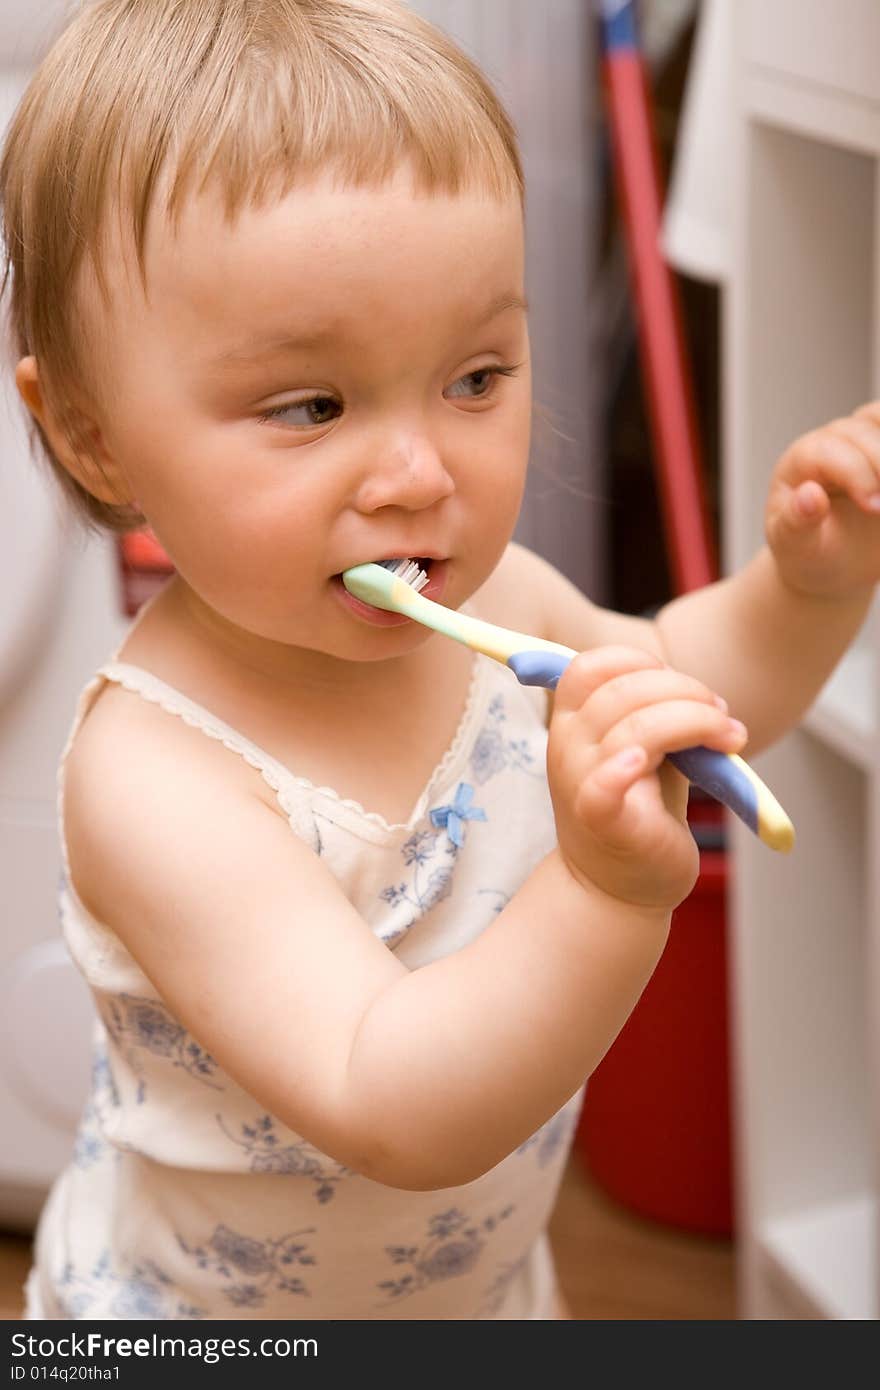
x: 728, y: 780
x: 721, y: 777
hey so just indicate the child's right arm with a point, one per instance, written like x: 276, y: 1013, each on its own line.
x: 422, y: 1078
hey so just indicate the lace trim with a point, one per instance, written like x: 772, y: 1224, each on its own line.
x: 280, y: 778
x: 141, y: 682
x: 472, y: 706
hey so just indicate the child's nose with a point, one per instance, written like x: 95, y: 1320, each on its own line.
x: 410, y: 474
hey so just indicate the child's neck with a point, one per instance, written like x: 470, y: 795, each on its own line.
x: 182, y: 622
x: 182, y: 641
x: 318, y: 717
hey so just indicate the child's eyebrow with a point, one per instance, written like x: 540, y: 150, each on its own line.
x: 256, y: 350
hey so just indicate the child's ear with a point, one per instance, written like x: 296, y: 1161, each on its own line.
x: 84, y: 456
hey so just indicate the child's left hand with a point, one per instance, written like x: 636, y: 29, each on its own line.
x: 822, y: 518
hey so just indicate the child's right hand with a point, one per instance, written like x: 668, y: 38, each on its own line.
x: 620, y: 807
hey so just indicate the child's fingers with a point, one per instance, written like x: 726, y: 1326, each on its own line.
x: 863, y: 433
x: 602, y: 792
x: 589, y: 670
x: 608, y: 805
x: 843, y: 457
x: 623, y: 695
x: 869, y: 411
x: 673, y: 725
x: 808, y: 504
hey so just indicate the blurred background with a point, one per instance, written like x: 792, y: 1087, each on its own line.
x: 755, y: 127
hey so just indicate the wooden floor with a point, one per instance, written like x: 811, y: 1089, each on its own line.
x: 612, y: 1264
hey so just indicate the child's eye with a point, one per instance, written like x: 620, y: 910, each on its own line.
x: 317, y: 410
x: 477, y: 385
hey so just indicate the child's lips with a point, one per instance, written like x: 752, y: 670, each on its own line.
x: 381, y: 617
x: 377, y: 617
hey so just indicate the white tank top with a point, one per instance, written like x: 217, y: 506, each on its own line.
x: 184, y: 1199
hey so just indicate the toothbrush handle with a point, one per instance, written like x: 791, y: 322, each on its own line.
x: 728, y: 779
x: 718, y: 774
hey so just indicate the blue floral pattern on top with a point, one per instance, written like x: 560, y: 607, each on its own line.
x: 430, y: 856
x: 136, y: 1024
x: 493, y: 752
x: 493, y: 1299
x: 90, y: 1145
x: 144, y: 1292
x: 261, y: 1143
x: 551, y: 1137
x: 453, y: 1246
x: 252, y: 1268
x: 423, y: 891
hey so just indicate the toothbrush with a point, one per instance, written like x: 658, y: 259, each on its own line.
x: 394, y: 584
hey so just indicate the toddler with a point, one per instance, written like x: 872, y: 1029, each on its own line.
x: 359, y: 913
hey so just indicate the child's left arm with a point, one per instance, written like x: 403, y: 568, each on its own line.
x: 768, y: 637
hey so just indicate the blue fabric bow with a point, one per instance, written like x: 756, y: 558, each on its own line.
x: 454, y: 816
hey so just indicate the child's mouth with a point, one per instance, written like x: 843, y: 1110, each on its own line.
x: 436, y: 571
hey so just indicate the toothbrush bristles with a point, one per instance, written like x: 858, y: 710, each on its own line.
x: 407, y: 570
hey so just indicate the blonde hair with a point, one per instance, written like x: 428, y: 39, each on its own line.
x: 140, y: 101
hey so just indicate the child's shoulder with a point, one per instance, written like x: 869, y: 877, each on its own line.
x: 130, y: 740
x: 529, y: 594
x: 519, y: 591
x: 131, y: 766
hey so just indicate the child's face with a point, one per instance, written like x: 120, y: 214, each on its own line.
x: 313, y: 387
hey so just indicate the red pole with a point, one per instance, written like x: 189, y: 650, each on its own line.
x: 665, y: 363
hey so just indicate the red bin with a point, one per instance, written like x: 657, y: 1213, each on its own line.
x: 655, y: 1129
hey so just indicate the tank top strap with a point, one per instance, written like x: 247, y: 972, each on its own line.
x: 287, y: 788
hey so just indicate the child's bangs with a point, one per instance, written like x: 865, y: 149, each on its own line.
x: 248, y: 97
x: 279, y: 115
x: 267, y: 136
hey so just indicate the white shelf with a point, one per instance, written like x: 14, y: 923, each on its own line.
x: 844, y: 715
x: 802, y: 346
x: 830, y: 44
x: 819, y: 113
x: 828, y: 1254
